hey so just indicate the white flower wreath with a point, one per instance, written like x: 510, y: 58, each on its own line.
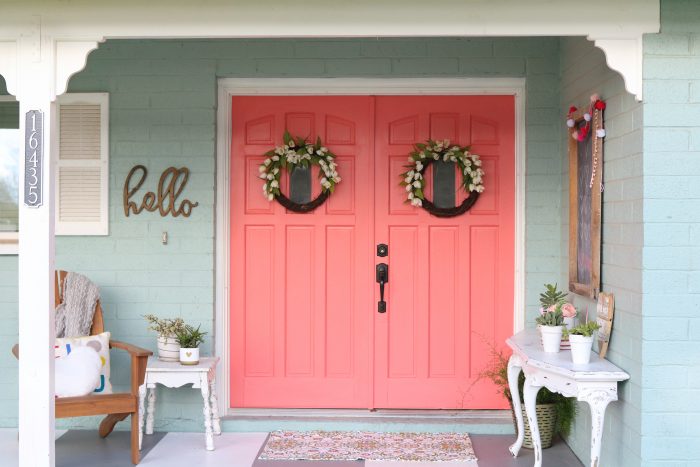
x: 297, y: 152
x: 469, y: 165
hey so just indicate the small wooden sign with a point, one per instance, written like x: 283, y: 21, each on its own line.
x: 33, y: 158
x: 604, y: 316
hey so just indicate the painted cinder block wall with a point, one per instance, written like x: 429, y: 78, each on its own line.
x: 162, y: 113
x: 584, y: 72
x: 671, y: 258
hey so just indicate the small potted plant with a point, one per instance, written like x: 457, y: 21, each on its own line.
x: 551, y: 298
x: 581, y: 338
x: 189, y: 339
x: 167, y: 329
x: 551, y: 324
x: 555, y: 413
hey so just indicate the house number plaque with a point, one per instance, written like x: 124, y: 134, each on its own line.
x: 33, y: 158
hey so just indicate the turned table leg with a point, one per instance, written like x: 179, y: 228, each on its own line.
x: 514, y: 370
x: 530, y: 396
x: 208, y: 432
x: 150, y: 410
x: 142, y: 407
x: 216, y: 422
x: 598, y: 401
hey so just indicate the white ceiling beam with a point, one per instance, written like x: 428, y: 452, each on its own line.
x: 335, y: 18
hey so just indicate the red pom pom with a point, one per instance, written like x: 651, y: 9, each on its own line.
x: 599, y: 105
x: 572, y: 109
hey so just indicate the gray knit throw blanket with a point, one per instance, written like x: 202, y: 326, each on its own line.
x: 74, y: 315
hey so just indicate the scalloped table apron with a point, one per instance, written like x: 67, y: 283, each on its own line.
x: 304, y: 327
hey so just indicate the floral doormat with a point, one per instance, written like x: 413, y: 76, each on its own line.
x: 362, y: 445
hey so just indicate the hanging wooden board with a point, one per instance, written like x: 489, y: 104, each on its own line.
x: 604, y: 317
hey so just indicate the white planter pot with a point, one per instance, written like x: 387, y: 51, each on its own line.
x: 189, y: 356
x: 551, y: 338
x: 569, y: 323
x: 168, y: 349
x: 581, y: 349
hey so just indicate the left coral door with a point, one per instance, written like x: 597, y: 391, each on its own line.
x: 300, y: 283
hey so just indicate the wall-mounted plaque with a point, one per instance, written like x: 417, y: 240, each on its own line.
x: 33, y: 158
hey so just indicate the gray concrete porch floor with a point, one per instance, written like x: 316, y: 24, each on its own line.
x: 85, y: 448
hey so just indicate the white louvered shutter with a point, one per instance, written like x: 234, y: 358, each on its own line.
x: 82, y: 168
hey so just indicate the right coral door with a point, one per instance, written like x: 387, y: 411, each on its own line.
x: 451, y: 280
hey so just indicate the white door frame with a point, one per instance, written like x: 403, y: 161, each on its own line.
x: 228, y: 87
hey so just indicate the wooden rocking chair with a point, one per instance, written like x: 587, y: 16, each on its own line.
x: 116, y: 406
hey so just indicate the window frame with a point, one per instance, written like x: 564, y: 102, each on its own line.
x: 9, y: 241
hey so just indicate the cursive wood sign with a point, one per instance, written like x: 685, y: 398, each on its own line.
x: 170, y: 185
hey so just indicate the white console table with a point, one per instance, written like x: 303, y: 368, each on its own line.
x: 595, y: 383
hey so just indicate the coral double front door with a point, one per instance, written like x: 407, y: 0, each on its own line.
x: 305, y: 326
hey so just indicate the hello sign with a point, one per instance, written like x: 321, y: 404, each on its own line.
x: 165, y: 200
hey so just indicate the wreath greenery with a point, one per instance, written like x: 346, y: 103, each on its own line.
x: 425, y: 154
x: 297, y: 152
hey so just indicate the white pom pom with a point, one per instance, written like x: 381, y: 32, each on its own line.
x: 600, y: 133
x: 570, y: 122
x: 587, y: 117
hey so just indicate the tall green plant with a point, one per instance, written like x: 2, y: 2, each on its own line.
x: 497, y: 372
x: 551, y: 296
x: 189, y: 337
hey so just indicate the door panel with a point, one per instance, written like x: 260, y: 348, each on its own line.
x: 301, y: 283
x: 451, y: 280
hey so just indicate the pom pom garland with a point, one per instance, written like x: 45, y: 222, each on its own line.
x: 592, y: 124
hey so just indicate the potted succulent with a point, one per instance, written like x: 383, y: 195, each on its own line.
x: 555, y: 413
x: 551, y: 324
x: 189, y: 339
x: 581, y: 338
x: 167, y: 329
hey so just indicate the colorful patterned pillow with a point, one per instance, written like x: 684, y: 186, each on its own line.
x: 99, y: 342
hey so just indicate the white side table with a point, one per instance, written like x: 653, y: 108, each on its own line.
x: 175, y: 375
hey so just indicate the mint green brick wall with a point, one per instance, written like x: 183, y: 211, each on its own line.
x: 162, y: 113
x: 584, y: 72
x: 671, y: 261
x: 8, y: 336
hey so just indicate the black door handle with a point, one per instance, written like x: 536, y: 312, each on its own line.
x: 382, y: 278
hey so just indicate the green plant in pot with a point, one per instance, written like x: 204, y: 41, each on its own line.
x: 552, y: 298
x: 551, y: 324
x: 581, y: 338
x: 167, y: 329
x: 190, y: 339
x: 555, y: 413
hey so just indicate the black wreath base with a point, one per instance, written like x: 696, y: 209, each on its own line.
x: 448, y: 212
x: 451, y: 212
x: 302, y: 207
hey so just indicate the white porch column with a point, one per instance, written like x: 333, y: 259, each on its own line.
x: 35, y: 92
x: 36, y: 67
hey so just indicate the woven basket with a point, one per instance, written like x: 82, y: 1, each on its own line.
x: 546, y: 418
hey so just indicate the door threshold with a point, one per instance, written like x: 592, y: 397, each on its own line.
x: 381, y: 415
